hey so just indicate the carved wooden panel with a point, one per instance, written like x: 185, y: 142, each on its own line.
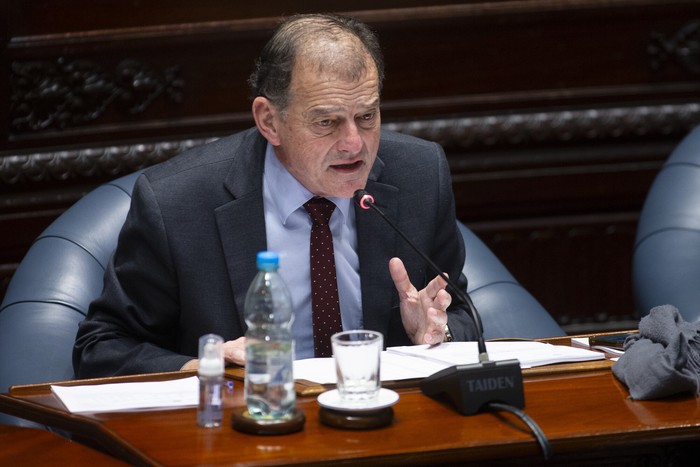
x: 147, y: 69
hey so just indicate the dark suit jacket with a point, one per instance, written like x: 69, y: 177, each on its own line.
x: 186, y: 253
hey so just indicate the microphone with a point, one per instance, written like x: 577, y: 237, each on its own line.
x: 471, y: 386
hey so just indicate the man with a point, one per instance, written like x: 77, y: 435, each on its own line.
x: 186, y: 253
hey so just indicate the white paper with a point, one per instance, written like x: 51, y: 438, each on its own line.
x: 581, y: 342
x: 129, y: 396
x: 316, y: 370
x: 419, y: 361
x: 397, y: 363
x: 393, y: 367
x: 529, y: 353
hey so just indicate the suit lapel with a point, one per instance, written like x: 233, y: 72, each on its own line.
x: 241, y: 221
x: 241, y: 243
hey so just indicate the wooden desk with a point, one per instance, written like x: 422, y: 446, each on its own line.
x: 32, y: 446
x: 587, y: 416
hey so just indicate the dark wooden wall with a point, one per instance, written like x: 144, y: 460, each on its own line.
x: 555, y: 114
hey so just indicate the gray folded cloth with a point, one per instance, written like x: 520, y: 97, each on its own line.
x: 663, y: 358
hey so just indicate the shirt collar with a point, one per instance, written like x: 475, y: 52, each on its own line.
x: 288, y: 194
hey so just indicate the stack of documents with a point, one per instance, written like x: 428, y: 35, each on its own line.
x: 397, y: 363
x: 419, y: 361
x: 129, y: 396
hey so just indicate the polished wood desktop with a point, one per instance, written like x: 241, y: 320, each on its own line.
x: 586, y: 414
x: 25, y: 446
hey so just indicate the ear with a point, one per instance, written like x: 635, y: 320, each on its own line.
x: 264, y: 114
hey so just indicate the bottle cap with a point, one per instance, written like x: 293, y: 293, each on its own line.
x: 211, y: 355
x: 268, y: 260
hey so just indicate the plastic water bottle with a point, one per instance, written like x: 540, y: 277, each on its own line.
x: 269, y: 384
x: 211, y: 378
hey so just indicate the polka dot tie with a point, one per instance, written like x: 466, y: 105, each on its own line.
x: 325, y: 308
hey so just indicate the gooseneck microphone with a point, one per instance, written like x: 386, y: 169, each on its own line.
x: 366, y: 201
x: 470, y: 386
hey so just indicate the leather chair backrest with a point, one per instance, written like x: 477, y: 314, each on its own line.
x: 53, y: 286
x: 666, y: 260
x: 62, y: 273
x: 505, y: 307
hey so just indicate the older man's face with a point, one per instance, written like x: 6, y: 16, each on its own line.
x: 329, y: 136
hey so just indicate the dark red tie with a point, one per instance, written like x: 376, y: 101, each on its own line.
x: 325, y: 308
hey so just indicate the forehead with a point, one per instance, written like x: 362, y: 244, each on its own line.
x: 335, y: 65
x: 313, y: 90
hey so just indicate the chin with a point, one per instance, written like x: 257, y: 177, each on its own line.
x: 342, y: 188
x: 342, y: 194
x: 350, y: 192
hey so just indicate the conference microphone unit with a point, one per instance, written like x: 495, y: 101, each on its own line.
x: 469, y: 387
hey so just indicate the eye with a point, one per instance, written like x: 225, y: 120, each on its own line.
x: 369, y: 116
x: 367, y: 120
x: 325, y: 123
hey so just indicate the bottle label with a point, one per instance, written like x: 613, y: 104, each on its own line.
x: 269, y: 387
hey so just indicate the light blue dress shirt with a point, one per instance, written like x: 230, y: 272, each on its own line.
x: 288, y: 229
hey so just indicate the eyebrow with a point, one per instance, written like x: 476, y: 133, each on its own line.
x: 327, y: 110
x: 321, y: 111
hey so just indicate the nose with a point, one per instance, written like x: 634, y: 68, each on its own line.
x: 350, y: 139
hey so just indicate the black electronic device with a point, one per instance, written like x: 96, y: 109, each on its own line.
x: 613, y: 341
x: 468, y: 387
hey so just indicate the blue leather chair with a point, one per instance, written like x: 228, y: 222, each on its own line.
x: 505, y: 307
x: 51, y: 290
x: 666, y: 261
x: 62, y: 273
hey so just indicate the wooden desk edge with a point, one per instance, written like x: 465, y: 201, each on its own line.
x: 82, y: 429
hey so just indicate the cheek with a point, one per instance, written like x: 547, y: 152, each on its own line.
x: 313, y: 152
x: 375, y: 142
x: 372, y: 143
x: 307, y: 161
x: 371, y: 136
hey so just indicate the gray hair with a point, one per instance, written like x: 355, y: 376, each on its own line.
x: 296, y: 39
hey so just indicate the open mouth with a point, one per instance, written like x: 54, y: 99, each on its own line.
x: 348, y: 167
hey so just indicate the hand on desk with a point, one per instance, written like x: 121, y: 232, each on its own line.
x: 234, y: 354
x: 423, y: 312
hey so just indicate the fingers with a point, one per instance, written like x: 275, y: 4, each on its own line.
x: 436, y: 319
x: 234, y: 351
x: 435, y: 286
x: 424, y: 313
x: 435, y: 330
x: 442, y: 301
x: 435, y: 337
x: 400, y: 277
x: 404, y: 286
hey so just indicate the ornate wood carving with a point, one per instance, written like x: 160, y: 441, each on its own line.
x: 469, y: 132
x: 589, y: 125
x: 683, y: 47
x: 68, y: 93
x: 88, y: 163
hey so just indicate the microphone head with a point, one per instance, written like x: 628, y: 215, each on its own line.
x: 364, y: 199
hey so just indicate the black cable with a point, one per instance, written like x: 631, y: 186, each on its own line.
x: 534, y: 427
